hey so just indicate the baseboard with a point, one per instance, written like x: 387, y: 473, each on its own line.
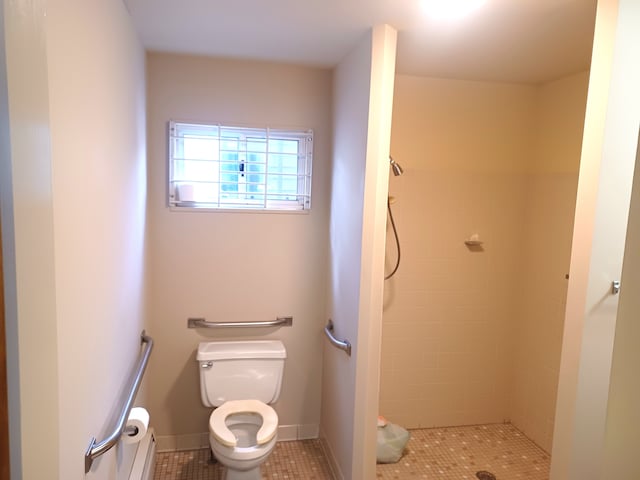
x: 176, y: 443
x: 195, y: 441
x: 331, y: 458
x: 288, y: 433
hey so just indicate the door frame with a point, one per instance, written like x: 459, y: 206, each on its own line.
x: 4, y: 402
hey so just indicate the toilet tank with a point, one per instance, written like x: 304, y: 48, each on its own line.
x: 240, y: 371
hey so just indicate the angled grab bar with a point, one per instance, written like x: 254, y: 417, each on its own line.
x: 96, y: 449
x: 202, y: 323
x: 341, y: 344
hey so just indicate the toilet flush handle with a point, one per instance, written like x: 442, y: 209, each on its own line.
x: 206, y: 365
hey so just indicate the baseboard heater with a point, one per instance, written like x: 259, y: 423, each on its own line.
x: 144, y: 462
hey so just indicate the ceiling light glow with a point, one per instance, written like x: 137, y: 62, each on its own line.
x: 449, y: 9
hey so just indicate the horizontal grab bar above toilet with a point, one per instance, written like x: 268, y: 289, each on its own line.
x: 341, y: 344
x: 96, y: 448
x: 202, y: 323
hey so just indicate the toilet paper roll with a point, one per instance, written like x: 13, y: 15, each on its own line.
x: 186, y: 192
x: 138, y: 418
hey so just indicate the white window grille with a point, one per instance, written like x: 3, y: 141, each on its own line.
x: 223, y: 167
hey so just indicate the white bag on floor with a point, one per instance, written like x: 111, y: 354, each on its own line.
x: 392, y: 439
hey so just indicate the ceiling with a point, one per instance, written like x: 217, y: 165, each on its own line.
x: 528, y: 41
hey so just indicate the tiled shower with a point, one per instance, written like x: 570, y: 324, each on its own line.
x: 472, y: 334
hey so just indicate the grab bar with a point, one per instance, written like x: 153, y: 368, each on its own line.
x: 96, y: 449
x: 202, y: 323
x: 341, y: 344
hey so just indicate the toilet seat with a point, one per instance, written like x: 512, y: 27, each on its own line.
x: 219, y: 429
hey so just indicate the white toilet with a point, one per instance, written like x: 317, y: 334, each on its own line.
x: 241, y: 379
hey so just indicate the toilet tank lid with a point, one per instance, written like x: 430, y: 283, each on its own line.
x: 235, y: 350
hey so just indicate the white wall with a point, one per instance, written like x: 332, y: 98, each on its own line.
x: 363, y: 87
x: 383, y: 64
x: 76, y: 93
x: 27, y: 229
x: 606, y: 170
x: 235, y: 266
x: 97, y: 116
x: 8, y: 247
x: 623, y: 417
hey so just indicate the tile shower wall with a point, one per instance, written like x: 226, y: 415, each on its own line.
x: 449, y: 311
x: 546, y: 246
x: 456, y: 320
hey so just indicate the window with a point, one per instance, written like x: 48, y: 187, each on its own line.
x: 221, y: 167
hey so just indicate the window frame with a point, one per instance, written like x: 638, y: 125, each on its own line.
x: 221, y: 199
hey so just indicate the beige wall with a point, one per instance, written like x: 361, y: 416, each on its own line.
x: 474, y: 336
x: 76, y: 93
x: 363, y: 86
x: 560, y: 107
x: 235, y: 266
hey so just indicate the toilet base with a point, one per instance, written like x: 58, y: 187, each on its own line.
x: 253, y: 474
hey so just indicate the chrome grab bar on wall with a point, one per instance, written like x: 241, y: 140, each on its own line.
x: 202, y: 323
x: 96, y: 449
x: 341, y: 344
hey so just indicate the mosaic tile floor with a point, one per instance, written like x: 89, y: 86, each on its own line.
x: 454, y: 453
x: 290, y: 460
x: 458, y: 453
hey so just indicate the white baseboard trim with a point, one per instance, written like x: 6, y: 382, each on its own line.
x: 195, y: 441
x: 288, y: 433
x: 176, y: 443
x: 331, y: 458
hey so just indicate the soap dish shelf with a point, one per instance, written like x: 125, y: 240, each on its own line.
x: 473, y: 243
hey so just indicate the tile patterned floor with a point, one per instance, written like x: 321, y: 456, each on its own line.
x: 289, y: 461
x: 458, y: 453
x: 454, y: 453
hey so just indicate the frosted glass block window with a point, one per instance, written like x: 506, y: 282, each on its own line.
x: 224, y: 167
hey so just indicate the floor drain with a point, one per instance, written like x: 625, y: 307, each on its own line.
x: 482, y: 475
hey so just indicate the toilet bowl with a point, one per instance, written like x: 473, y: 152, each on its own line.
x: 242, y: 434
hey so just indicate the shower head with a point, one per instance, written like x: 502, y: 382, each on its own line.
x: 395, y: 167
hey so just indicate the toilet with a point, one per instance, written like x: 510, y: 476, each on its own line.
x: 241, y: 379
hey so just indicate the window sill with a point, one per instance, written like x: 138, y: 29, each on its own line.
x: 238, y: 210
